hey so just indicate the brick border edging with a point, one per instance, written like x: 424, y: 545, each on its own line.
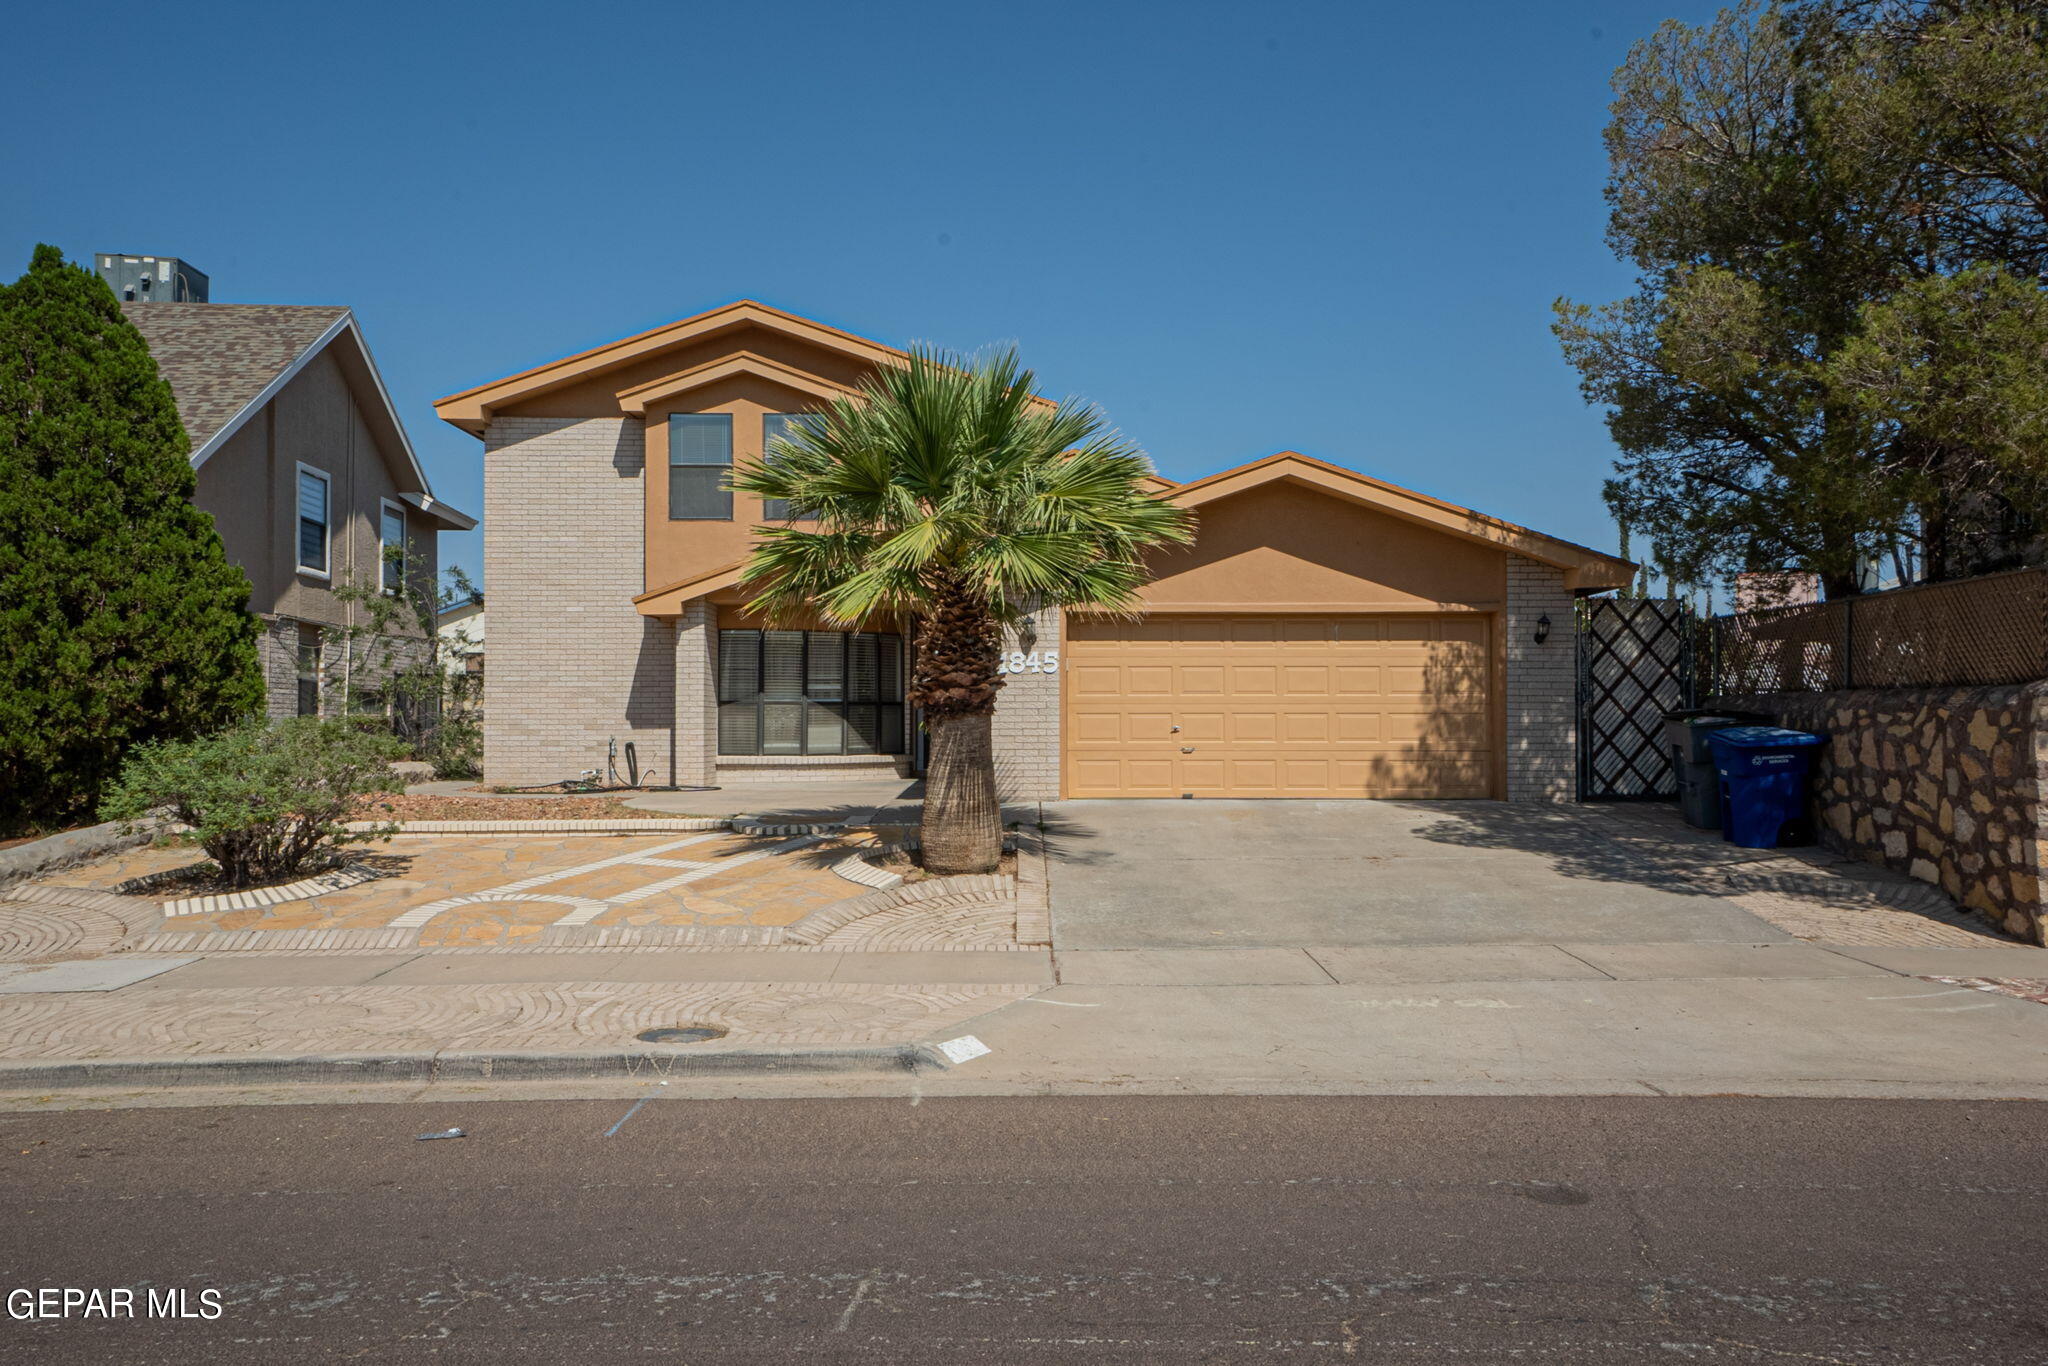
x: 428, y: 1067
x: 349, y: 874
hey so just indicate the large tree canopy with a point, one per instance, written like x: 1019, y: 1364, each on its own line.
x: 1838, y: 347
x: 121, y: 619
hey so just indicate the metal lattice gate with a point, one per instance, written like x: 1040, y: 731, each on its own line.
x: 1635, y: 664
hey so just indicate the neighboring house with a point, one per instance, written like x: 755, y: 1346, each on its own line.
x: 305, y: 467
x: 1327, y: 635
x: 461, y: 629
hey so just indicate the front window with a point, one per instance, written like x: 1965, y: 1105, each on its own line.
x: 810, y: 692
x: 312, y: 521
x: 775, y: 426
x: 391, y: 547
x: 699, y: 459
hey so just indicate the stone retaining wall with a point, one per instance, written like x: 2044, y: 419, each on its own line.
x: 1943, y: 784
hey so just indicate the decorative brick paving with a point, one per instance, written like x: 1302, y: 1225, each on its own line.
x: 37, y: 934
x: 564, y: 1016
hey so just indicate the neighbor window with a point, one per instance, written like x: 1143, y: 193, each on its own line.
x: 774, y: 426
x: 391, y: 547
x: 309, y: 671
x: 810, y: 692
x: 313, y: 536
x: 699, y: 459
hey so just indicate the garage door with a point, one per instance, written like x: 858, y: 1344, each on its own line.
x: 1271, y: 706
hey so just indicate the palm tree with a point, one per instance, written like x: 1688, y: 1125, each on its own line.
x: 945, y: 494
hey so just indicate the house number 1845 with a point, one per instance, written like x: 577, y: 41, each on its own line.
x: 1037, y: 662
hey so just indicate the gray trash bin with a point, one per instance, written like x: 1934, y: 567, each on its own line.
x: 1699, y: 785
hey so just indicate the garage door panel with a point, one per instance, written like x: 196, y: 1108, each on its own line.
x: 1254, y: 727
x: 1303, y: 681
x: 1306, y: 727
x: 1283, y: 706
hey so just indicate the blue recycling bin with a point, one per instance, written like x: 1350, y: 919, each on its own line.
x: 1763, y: 781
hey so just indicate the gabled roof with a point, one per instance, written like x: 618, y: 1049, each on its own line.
x: 472, y: 408
x: 1586, y: 570
x: 225, y: 361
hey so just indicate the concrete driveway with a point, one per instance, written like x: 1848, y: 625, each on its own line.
x: 1302, y: 874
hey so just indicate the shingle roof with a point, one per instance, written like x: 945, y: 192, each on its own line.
x: 218, y: 357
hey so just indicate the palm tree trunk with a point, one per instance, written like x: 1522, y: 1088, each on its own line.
x: 954, y: 680
x: 962, y: 826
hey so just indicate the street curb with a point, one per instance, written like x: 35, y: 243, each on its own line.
x: 366, y: 1069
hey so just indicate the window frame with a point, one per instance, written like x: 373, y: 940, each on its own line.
x: 673, y: 464
x: 890, y: 740
x: 768, y: 514
x: 326, y: 568
x: 384, y: 506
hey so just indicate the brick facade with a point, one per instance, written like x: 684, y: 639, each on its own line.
x: 572, y: 663
x: 1027, y: 721
x: 1542, y: 686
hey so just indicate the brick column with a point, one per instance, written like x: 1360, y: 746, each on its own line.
x: 1542, y: 686
x: 697, y: 694
x: 1027, y: 721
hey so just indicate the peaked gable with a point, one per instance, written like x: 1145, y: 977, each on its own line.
x: 1586, y: 570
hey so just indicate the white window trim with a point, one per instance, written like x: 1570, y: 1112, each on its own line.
x: 385, y: 505
x: 327, y: 530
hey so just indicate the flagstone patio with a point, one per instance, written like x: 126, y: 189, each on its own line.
x: 495, y: 890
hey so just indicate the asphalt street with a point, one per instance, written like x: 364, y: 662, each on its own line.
x: 1057, y: 1229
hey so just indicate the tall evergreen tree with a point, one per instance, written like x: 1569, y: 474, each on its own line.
x: 1838, y: 214
x: 121, y: 619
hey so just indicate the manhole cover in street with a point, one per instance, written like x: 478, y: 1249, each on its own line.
x: 681, y: 1034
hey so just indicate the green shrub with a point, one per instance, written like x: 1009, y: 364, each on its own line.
x: 262, y: 798
x: 455, y: 746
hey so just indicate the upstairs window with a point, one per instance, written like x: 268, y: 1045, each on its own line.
x: 313, y: 529
x: 391, y: 547
x: 699, y: 459
x: 774, y: 426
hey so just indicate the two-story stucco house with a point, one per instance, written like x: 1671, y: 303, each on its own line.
x: 1327, y: 635
x: 305, y: 467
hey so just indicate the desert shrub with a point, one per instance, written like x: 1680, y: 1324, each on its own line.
x: 263, y: 798
x: 455, y: 746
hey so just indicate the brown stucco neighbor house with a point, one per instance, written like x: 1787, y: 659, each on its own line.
x: 1327, y: 635
x: 303, y: 464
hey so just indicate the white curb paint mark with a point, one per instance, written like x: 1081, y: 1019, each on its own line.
x: 1916, y: 995
x: 1076, y: 1005
x: 1950, y: 1010
x: 966, y: 1048
x: 860, y: 1292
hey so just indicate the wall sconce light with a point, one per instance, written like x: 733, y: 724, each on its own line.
x: 1027, y: 632
x: 1543, y: 628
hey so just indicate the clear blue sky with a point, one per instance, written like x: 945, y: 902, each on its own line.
x: 1239, y: 228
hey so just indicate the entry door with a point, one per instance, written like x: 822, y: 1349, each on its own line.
x: 1280, y: 706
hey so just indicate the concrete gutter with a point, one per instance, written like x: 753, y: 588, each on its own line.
x: 423, y: 1068
x: 69, y: 847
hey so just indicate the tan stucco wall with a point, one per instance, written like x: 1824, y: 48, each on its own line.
x: 250, y: 486
x: 682, y: 550
x: 1281, y: 547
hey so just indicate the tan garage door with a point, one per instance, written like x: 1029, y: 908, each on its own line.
x: 1326, y: 706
